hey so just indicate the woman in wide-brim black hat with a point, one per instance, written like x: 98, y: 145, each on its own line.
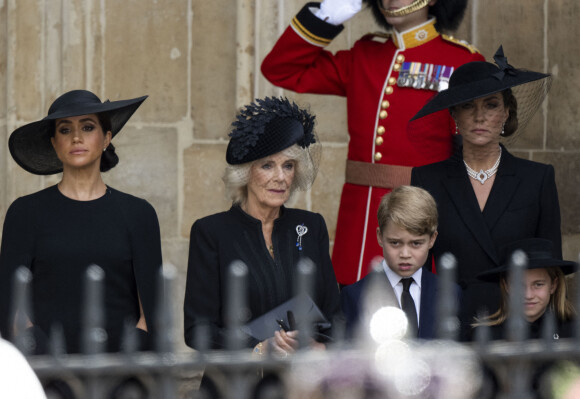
x: 487, y: 197
x: 59, y: 232
x: 272, y: 153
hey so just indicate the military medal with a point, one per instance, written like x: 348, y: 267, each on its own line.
x: 424, y: 76
x: 435, y: 81
x: 404, y: 74
x: 413, y: 75
x: 429, y: 77
x: 417, y: 80
x: 445, y: 75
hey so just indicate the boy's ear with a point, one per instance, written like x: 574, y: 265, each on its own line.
x: 379, y: 237
x: 432, y: 239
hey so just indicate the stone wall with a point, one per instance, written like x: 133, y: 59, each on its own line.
x: 199, y: 61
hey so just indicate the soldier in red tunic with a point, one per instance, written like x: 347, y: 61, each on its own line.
x: 386, y: 79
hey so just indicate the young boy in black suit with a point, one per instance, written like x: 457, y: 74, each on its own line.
x: 407, y: 231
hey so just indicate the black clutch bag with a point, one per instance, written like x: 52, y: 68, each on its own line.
x: 284, y: 317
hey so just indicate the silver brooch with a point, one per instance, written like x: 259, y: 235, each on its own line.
x: 300, y: 230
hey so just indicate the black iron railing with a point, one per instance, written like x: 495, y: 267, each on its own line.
x: 392, y: 368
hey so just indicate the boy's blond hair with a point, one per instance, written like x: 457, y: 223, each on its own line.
x: 411, y: 208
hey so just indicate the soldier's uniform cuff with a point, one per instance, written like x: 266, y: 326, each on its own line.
x: 313, y: 29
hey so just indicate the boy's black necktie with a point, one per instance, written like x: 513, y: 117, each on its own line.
x: 408, y: 306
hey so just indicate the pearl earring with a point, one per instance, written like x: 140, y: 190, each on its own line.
x: 502, y: 129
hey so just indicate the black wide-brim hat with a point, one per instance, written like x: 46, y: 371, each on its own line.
x: 539, y: 253
x: 30, y: 145
x: 479, y: 79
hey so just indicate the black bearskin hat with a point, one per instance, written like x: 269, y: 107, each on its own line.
x: 448, y: 13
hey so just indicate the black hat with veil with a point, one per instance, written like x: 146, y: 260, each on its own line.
x: 476, y: 80
x: 271, y: 125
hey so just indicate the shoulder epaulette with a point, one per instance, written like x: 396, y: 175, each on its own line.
x: 461, y: 43
x: 378, y: 36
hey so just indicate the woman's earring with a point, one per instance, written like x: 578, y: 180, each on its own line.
x: 456, y: 128
x: 502, y: 129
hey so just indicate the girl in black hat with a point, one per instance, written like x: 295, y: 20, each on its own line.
x: 62, y: 230
x: 486, y: 197
x: 545, y: 290
x: 272, y: 153
x: 542, y: 301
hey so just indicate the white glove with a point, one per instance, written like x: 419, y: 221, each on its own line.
x: 338, y: 11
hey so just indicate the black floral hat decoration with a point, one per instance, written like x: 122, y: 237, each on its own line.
x: 268, y: 126
x: 30, y: 144
x: 539, y: 253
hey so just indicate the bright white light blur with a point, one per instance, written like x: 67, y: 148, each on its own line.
x: 413, y: 377
x: 390, y: 355
x: 398, y: 363
x: 388, y: 323
x: 458, y: 373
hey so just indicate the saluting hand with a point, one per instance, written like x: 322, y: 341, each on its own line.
x: 337, y: 12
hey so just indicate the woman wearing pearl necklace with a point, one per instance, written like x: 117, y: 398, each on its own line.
x: 486, y: 197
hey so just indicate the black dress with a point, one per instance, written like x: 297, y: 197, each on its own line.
x: 57, y: 238
x: 218, y: 240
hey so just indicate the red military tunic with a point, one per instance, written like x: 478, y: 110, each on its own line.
x: 378, y: 113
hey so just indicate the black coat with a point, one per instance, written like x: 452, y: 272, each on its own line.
x: 218, y: 240
x: 352, y: 298
x: 534, y: 330
x: 523, y: 203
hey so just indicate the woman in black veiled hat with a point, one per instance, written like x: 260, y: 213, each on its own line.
x: 59, y: 232
x: 272, y: 152
x: 486, y: 197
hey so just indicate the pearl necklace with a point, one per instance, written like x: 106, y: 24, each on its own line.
x: 483, y: 175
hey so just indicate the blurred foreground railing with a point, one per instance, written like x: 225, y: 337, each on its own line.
x: 388, y: 367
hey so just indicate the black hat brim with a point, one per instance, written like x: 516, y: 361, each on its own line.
x: 472, y: 90
x: 494, y: 275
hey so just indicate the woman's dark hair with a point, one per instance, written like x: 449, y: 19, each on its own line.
x: 449, y: 14
x: 109, y: 159
x: 511, y: 125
